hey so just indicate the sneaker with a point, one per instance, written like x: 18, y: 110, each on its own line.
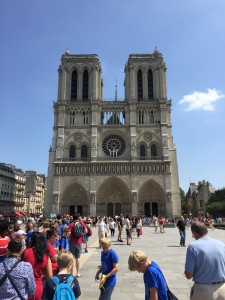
x: 86, y: 250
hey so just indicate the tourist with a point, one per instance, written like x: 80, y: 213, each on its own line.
x: 155, y: 285
x: 112, y: 226
x: 120, y: 229
x: 52, y: 238
x: 205, y: 264
x: 102, y: 228
x: 20, y: 281
x: 37, y: 256
x: 75, y: 243
x: 109, y: 268
x: 181, y: 225
x: 128, y: 229
x: 4, y: 240
x: 66, y: 263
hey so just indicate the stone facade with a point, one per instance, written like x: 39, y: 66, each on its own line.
x: 112, y: 157
x: 35, y: 189
x: 197, y: 197
x: 21, y: 192
x: 12, y: 189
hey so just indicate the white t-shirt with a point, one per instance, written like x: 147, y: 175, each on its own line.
x: 101, y: 226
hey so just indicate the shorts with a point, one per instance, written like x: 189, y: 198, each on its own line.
x: 101, y: 235
x: 75, y: 249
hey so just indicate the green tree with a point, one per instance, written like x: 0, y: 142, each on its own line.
x: 216, y: 204
x: 183, y: 201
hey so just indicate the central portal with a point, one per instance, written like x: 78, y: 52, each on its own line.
x: 113, y: 198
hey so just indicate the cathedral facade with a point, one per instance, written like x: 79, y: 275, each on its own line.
x: 112, y: 157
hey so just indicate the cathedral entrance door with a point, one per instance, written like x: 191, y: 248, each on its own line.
x: 118, y: 209
x: 80, y: 210
x: 147, y: 209
x: 72, y: 210
x: 155, y: 209
x: 110, y: 209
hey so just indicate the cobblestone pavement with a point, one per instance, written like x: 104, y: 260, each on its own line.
x: 162, y: 248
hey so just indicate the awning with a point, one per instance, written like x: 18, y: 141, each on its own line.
x: 18, y: 214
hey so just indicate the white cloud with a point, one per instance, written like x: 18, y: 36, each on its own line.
x: 200, y: 100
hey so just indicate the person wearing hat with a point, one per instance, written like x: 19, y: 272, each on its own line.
x: 20, y: 234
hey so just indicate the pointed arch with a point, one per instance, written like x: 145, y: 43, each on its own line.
x: 154, y: 151
x: 114, y: 190
x: 84, y: 152
x: 72, y: 152
x: 75, y: 198
x: 151, y: 199
x: 142, y: 152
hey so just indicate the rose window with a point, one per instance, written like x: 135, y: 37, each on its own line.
x: 113, y: 145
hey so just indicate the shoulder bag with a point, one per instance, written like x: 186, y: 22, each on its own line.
x: 170, y: 295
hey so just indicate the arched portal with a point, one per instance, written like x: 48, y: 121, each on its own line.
x: 151, y: 199
x: 113, y: 196
x: 75, y: 200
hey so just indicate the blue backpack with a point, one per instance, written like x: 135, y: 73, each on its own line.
x: 63, y: 290
x: 78, y: 229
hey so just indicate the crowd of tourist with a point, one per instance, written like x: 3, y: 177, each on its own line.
x: 38, y: 257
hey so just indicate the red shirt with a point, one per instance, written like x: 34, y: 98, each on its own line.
x: 3, y: 245
x: 73, y: 239
x: 51, y: 253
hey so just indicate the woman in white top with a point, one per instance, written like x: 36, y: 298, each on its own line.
x: 112, y: 225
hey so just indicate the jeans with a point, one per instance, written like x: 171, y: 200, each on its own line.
x: 182, y: 237
x: 106, y: 293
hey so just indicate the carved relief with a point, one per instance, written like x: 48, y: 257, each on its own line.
x: 148, y: 137
x: 78, y: 138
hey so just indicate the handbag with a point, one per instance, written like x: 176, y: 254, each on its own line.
x: 170, y: 295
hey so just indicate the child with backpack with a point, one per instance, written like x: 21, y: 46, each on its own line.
x: 63, y: 286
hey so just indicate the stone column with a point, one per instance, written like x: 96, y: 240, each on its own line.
x: 93, y: 204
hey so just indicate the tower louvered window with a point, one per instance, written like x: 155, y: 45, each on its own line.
x: 85, y: 85
x: 139, y: 85
x: 74, y: 86
x: 150, y: 84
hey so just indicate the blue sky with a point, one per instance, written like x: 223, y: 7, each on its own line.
x: 189, y: 34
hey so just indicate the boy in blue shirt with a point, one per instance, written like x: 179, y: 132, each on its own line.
x: 109, y: 268
x: 155, y: 285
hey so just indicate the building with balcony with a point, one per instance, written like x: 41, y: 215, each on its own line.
x: 197, y: 197
x: 35, y: 190
x: 7, y: 186
x: 12, y: 185
x: 118, y: 156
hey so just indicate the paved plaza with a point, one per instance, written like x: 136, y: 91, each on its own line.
x: 164, y: 249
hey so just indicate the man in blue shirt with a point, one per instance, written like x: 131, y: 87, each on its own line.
x: 205, y: 263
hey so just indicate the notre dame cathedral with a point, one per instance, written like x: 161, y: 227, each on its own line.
x: 112, y: 157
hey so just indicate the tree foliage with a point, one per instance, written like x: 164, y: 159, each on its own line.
x: 216, y: 203
x: 183, y: 201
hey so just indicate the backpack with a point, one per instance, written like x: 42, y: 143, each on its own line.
x: 89, y: 231
x: 77, y: 229
x: 63, y: 289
